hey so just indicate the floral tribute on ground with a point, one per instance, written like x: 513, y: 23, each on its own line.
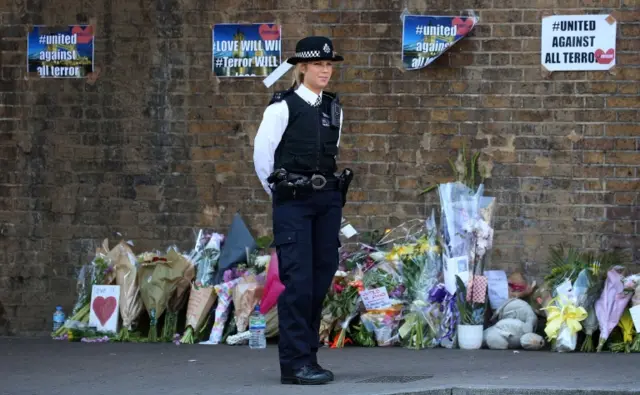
x: 423, y: 284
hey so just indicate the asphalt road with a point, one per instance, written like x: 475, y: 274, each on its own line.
x: 47, y: 367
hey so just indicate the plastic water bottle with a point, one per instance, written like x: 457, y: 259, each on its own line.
x: 58, y: 318
x: 257, y: 327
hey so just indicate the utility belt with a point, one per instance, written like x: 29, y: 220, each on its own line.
x: 289, y: 186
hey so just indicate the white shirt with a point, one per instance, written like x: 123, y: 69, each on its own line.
x: 274, y: 122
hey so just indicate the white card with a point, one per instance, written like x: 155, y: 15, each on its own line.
x: 104, y: 310
x: 377, y: 298
x: 452, y: 267
x: 635, y: 316
x: 349, y: 231
x: 498, y: 287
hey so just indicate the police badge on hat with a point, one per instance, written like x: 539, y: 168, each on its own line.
x: 314, y: 48
x: 309, y: 49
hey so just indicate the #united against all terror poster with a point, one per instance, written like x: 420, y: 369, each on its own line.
x: 578, y: 42
x: 425, y: 38
x: 246, y: 50
x: 60, y: 52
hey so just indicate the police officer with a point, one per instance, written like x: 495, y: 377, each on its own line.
x: 295, y: 159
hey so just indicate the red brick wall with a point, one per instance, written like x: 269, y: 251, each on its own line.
x: 158, y: 146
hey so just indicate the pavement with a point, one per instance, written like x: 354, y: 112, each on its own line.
x: 39, y: 366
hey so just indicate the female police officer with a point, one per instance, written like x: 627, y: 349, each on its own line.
x: 295, y: 159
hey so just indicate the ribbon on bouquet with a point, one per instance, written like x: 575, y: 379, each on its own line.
x: 563, y: 312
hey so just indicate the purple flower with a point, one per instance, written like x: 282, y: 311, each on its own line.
x: 438, y: 293
x: 228, y: 275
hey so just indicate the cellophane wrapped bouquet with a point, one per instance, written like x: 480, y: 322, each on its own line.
x: 99, y: 272
x: 611, y: 304
x: 382, y: 316
x: 634, y: 311
x: 421, y: 273
x: 179, y: 296
x: 565, y: 313
x: 159, y: 276
x: 126, y: 267
x: 205, y: 257
x: 467, y: 239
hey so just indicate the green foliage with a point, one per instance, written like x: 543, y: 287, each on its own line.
x: 567, y: 262
x: 465, y: 170
x: 264, y: 242
x: 464, y: 307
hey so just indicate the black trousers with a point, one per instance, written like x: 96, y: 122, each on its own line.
x: 306, y: 238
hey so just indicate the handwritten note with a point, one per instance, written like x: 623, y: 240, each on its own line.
x: 377, y: 298
x: 498, y: 287
x: 104, y: 313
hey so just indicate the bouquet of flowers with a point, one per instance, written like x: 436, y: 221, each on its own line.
x: 126, y: 266
x: 225, y: 297
x: 99, y: 272
x: 158, y: 277
x: 202, y: 296
x: 383, y: 323
x: 421, y: 324
x: 246, y: 295
x: 566, y: 312
x: 626, y: 326
x: 611, y: 304
x: 447, y: 313
x: 629, y: 343
x: 179, y: 296
x: 384, y: 274
x: 342, y: 306
x: 634, y: 310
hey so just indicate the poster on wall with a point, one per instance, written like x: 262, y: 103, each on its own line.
x: 578, y: 42
x: 60, y: 52
x: 425, y: 37
x: 246, y: 50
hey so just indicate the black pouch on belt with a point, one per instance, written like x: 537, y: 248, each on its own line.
x: 343, y: 183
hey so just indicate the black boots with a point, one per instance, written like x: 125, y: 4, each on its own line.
x: 306, y: 375
x: 320, y: 368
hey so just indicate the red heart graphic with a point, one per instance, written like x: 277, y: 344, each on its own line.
x: 464, y: 26
x: 104, y: 308
x: 84, y: 35
x: 603, y: 57
x: 269, y: 32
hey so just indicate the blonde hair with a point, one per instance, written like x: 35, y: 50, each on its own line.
x: 298, y: 75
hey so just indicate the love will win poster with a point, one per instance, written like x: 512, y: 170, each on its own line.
x: 426, y: 37
x: 246, y: 50
x: 105, y: 301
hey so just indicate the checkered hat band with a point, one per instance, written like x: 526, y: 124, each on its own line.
x: 308, y: 54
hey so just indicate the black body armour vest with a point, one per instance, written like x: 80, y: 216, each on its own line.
x: 308, y: 144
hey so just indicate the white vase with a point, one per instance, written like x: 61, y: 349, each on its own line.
x: 470, y: 337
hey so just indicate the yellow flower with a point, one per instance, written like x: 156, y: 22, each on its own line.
x: 405, y: 250
x: 626, y: 324
x: 568, y: 315
x: 423, y: 246
x: 393, y: 254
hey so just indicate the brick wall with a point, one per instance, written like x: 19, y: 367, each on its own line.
x: 158, y: 146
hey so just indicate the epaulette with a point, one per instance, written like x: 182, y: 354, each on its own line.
x: 280, y: 95
x: 330, y: 95
x: 333, y: 96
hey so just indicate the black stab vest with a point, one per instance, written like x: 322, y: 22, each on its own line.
x: 309, y: 143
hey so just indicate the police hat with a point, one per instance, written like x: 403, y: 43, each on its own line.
x: 314, y: 48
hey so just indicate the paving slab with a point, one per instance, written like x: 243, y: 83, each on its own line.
x: 37, y: 366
